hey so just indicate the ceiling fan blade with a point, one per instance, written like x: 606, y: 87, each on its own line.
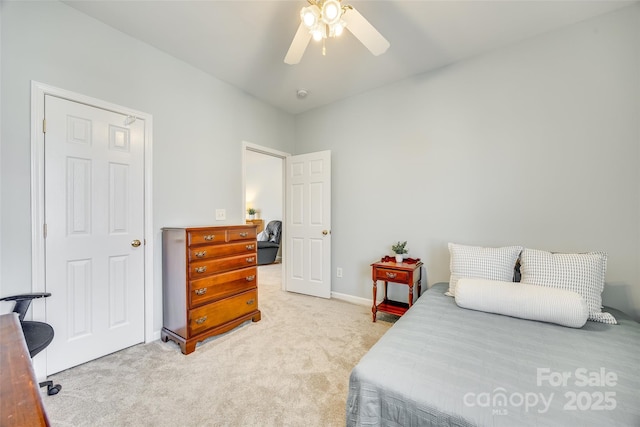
x: 298, y: 45
x: 365, y: 32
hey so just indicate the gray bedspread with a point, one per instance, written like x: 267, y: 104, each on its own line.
x: 441, y: 365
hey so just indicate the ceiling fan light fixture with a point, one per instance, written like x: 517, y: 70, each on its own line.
x: 331, y: 11
x: 338, y: 28
x: 310, y: 15
x: 318, y: 33
x: 324, y: 19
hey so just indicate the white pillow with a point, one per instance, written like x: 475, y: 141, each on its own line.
x: 559, y: 306
x: 481, y: 263
x: 581, y: 273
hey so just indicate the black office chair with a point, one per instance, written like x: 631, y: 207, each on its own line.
x: 38, y: 335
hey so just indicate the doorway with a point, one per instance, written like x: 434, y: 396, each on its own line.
x: 75, y: 129
x: 264, y: 188
x: 305, y: 183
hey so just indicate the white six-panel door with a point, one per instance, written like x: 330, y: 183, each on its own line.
x: 94, y: 213
x: 308, y: 224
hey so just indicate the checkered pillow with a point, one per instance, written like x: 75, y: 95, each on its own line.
x: 581, y: 273
x: 481, y: 263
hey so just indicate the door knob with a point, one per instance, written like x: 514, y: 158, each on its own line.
x: 325, y: 232
x: 136, y: 243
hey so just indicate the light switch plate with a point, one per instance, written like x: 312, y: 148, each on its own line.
x: 221, y: 214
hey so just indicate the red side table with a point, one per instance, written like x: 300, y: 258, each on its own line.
x: 404, y: 273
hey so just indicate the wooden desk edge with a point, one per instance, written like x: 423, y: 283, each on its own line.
x: 20, y: 399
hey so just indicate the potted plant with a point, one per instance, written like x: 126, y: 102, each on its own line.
x: 251, y: 212
x: 399, y: 249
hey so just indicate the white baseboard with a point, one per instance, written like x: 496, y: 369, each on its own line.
x: 351, y: 299
x: 155, y: 337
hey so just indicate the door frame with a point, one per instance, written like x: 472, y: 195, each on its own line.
x: 38, y: 92
x: 248, y: 146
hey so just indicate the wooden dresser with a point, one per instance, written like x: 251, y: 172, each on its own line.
x: 209, y: 282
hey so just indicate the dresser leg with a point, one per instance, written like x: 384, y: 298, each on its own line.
x: 188, y: 347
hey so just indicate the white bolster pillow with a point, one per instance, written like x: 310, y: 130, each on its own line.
x: 532, y: 302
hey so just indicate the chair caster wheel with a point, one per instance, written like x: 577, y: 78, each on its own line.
x: 53, y: 390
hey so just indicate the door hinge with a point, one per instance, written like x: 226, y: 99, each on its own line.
x: 44, y: 230
x: 44, y: 125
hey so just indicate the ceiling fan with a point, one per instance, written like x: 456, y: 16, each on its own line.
x: 328, y: 18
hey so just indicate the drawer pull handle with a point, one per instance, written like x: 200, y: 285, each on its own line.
x: 201, y: 254
x: 201, y: 320
x: 251, y: 301
x: 209, y: 237
x: 244, y: 234
x: 391, y: 275
x: 249, y: 247
x: 251, y: 278
x: 201, y: 269
x: 251, y: 259
x: 201, y: 291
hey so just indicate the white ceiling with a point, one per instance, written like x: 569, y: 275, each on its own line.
x: 244, y: 42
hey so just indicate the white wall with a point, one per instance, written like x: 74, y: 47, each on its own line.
x: 264, y: 188
x: 199, y: 123
x: 535, y: 144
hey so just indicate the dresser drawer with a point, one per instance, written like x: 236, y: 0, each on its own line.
x: 220, y: 312
x: 242, y: 233
x: 201, y: 269
x: 392, y: 275
x: 216, y: 251
x: 211, y: 236
x: 221, y: 285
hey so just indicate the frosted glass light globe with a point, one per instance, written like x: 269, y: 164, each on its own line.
x: 331, y: 11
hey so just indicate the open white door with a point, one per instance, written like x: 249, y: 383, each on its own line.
x: 307, y: 245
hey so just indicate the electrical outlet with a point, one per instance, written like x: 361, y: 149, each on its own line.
x: 221, y: 214
x: 339, y: 272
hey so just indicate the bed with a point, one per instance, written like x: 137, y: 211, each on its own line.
x: 442, y: 365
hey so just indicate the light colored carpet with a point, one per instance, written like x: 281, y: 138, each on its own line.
x: 290, y: 369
